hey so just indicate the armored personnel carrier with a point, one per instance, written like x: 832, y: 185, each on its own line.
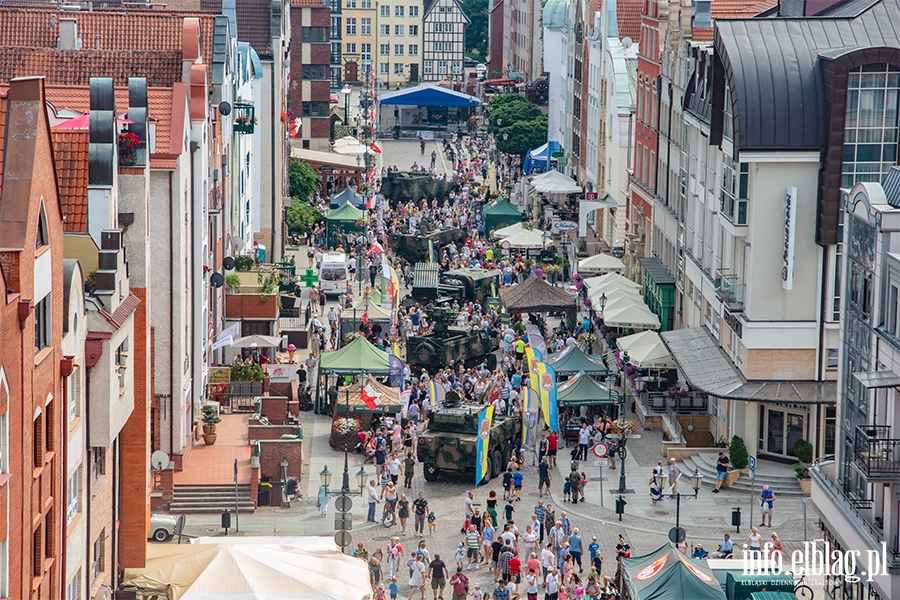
x: 414, y: 246
x: 449, y: 443
x: 462, y: 285
x: 446, y: 344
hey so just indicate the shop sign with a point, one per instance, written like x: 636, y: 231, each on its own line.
x: 790, y: 234
x: 219, y: 374
x: 734, y: 323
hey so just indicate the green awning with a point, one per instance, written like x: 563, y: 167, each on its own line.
x: 500, y: 213
x: 572, y: 360
x: 345, y: 212
x: 667, y: 574
x: 359, y: 356
x: 583, y: 390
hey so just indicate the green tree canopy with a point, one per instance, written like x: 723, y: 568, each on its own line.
x: 477, y: 30
x: 522, y: 136
x: 511, y: 112
x: 303, y: 180
x: 301, y: 217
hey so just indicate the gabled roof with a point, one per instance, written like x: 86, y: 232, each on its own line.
x: 428, y: 95
x: 536, y: 296
x: 774, y: 69
x: 70, y: 150
x: 254, y: 18
x: 731, y: 9
x: 628, y: 19
x: 573, y: 360
x: 430, y: 4
x: 114, y: 44
x: 359, y: 356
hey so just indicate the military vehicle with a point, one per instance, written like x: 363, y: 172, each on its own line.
x: 462, y: 285
x: 449, y: 443
x: 400, y: 187
x: 447, y: 344
x: 413, y: 246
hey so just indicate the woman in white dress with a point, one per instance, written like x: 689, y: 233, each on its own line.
x: 323, y: 500
x: 417, y: 581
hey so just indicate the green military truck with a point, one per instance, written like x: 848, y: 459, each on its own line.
x: 448, y: 444
x: 448, y: 345
x: 414, y: 246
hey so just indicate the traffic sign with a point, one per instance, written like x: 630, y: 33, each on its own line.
x: 309, y: 278
x: 343, y: 504
x: 752, y: 464
x: 343, y: 538
x: 633, y: 436
x: 600, y: 450
x: 677, y: 535
x: 343, y: 521
x: 601, y: 462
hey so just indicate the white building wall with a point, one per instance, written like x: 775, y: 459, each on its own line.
x: 555, y: 53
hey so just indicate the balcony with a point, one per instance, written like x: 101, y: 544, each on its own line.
x: 876, y: 454
x: 730, y: 291
x: 244, y: 118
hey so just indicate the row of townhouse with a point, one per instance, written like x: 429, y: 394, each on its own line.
x: 515, y: 40
x: 138, y: 150
x: 754, y: 178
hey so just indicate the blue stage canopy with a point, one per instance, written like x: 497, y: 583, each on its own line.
x: 428, y: 95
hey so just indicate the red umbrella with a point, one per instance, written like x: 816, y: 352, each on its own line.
x: 83, y: 121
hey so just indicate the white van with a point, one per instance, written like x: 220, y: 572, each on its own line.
x: 335, y: 275
x: 481, y: 70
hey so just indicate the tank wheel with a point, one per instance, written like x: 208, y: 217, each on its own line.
x: 496, y: 463
x: 492, y: 361
x: 425, y: 353
x: 430, y: 471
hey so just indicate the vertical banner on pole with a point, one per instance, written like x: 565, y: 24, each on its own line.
x: 547, y: 379
x: 482, y: 468
x: 532, y: 358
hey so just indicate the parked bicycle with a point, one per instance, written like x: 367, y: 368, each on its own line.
x: 801, y: 590
x: 389, y: 514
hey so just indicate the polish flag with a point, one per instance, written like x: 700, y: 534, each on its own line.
x: 295, y: 127
x: 365, y: 319
x: 371, y: 202
x: 370, y: 397
x: 374, y: 249
x: 376, y: 147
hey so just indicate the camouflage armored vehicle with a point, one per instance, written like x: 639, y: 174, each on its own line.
x: 449, y: 443
x: 400, y: 187
x: 446, y: 344
x: 463, y: 285
x: 414, y: 246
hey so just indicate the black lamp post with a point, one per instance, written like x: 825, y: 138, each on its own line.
x: 696, y: 480
x: 284, y: 466
x: 622, y: 438
x: 361, y: 475
x: 346, y: 91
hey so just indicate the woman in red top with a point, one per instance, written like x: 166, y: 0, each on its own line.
x: 533, y: 563
x: 552, y: 447
x: 515, y: 569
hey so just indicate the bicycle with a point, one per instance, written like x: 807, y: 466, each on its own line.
x: 803, y: 591
x: 389, y: 515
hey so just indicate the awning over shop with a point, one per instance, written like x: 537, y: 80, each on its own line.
x: 572, y: 360
x: 667, y: 574
x: 708, y: 369
x: 633, y: 316
x: 878, y: 379
x: 583, y: 390
x: 554, y: 182
x: 359, y: 356
x: 646, y: 350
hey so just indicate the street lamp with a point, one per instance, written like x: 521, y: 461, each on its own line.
x: 284, y: 466
x: 696, y: 481
x: 601, y: 301
x: 346, y: 91
x: 325, y: 477
x: 361, y: 475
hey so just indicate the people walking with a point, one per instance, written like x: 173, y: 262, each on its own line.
x: 403, y: 513
x: 323, y: 499
x: 372, y: 495
x: 674, y: 475
x: 420, y: 508
x: 655, y: 492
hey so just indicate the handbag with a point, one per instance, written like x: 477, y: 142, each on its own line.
x: 318, y: 503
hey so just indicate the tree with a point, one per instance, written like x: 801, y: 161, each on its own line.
x: 301, y: 217
x: 522, y: 136
x: 477, y: 30
x: 515, y: 109
x: 738, y: 451
x: 303, y: 180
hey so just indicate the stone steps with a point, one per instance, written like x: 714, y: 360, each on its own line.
x: 705, y: 463
x: 210, y: 499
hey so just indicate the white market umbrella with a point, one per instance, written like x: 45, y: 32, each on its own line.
x: 353, y: 149
x: 649, y: 352
x: 600, y: 263
x: 634, y: 317
x: 637, y: 340
x: 347, y: 140
x: 554, y: 182
x: 525, y: 239
x: 261, y: 341
x: 599, y: 282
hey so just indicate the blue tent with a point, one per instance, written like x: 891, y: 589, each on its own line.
x: 428, y: 95
x: 539, y: 158
x: 347, y: 195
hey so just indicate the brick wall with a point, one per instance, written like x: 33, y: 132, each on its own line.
x: 274, y: 408
x: 271, y: 432
x: 272, y: 451
x: 251, y: 306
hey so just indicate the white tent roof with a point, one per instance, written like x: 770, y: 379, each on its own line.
x: 526, y: 239
x: 646, y: 350
x: 600, y: 281
x: 251, y: 569
x: 600, y: 263
x: 515, y: 229
x: 634, y: 316
x: 554, y: 182
x: 376, y: 312
x: 613, y: 291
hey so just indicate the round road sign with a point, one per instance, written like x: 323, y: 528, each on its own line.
x: 677, y: 535
x: 600, y: 450
x: 343, y: 538
x: 343, y: 503
x: 505, y: 244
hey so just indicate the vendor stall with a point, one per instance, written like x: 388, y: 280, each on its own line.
x: 536, y: 296
x: 378, y: 317
x: 500, y: 213
x: 667, y: 574
x: 584, y: 390
x: 572, y: 360
x: 344, y: 221
x: 356, y: 358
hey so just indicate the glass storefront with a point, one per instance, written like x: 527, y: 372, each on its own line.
x: 781, y: 426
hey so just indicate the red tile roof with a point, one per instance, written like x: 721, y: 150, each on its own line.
x: 313, y: 3
x: 2, y: 133
x: 628, y: 18
x: 115, y: 43
x: 731, y: 9
x: 254, y: 22
x: 70, y: 152
x: 118, y: 317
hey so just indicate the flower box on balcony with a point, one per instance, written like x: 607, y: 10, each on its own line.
x: 244, y: 118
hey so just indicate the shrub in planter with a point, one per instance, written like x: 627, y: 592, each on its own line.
x: 210, y: 418
x: 803, y: 479
x: 244, y: 263
x: 738, y: 451
x: 803, y: 450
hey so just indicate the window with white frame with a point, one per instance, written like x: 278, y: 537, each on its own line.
x: 413, y: 49
x: 448, y: 27
x: 4, y: 567
x: 832, y: 364
x: 383, y: 68
x: 4, y: 443
x: 73, y: 496
x: 74, y: 386
x: 43, y: 330
x: 398, y: 68
x: 351, y: 48
x: 365, y: 52
x: 457, y: 67
x: 398, y: 29
x: 413, y: 30
x: 351, y: 26
x: 414, y: 11
x: 438, y: 27
x: 442, y: 67
x: 398, y: 51
x: 365, y: 4
x: 385, y: 30
x: 350, y: 4
x: 385, y: 10
x: 438, y: 46
x: 365, y: 26
x: 384, y: 49
x: 398, y: 11
x: 426, y: 67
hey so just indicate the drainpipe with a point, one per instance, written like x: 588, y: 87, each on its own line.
x: 195, y: 268
x: 66, y: 367
x: 114, y: 572
x: 271, y: 256
x: 171, y: 324
x: 87, y: 581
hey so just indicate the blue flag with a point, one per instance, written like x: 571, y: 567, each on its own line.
x: 397, y: 369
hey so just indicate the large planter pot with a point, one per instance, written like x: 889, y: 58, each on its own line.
x: 805, y: 485
x: 731, y: 477
x: 209, y: 434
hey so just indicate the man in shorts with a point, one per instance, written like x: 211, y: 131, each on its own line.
x: 473, y: 541
x: 767, y: 500
x: 437, y: 572
x: 544, y: 477
x: 721, y: 471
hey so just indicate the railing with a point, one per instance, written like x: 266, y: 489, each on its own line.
x: 730, y: 291
x: 674, y: 425
x: 653, y: 402
x: 875, y: 453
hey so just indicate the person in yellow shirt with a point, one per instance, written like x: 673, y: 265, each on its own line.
x: 520, y: 350
x: 489, y: 254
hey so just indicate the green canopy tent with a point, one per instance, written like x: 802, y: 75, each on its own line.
x: 500, y: 213
x: 667, y: 574
x: 359, y: 356
x: 583, y: 390
x: 345, y: 218
x: 573, y: 359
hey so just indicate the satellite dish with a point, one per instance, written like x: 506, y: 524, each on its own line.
x: 224, y: 109
x: 217, y: 280
x: 626, y: 43
x: 159, y: 460
x: 228, y: 263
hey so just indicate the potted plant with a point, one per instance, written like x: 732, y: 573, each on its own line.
x: 128, y: 143
x: 739, y: 457
x: 210, y: 418
x: 803, y: 450
x: 233, y: 283
x: 803, y: 479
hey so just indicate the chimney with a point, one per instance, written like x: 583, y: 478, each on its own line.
x: 68, y: 35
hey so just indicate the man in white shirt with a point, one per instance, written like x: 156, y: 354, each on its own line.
x: 394, y: 468
x: 548, y: 560
x: 372, y: 494
x: 552, y: 584
x: 470, y: 504
x: 584, y: 436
